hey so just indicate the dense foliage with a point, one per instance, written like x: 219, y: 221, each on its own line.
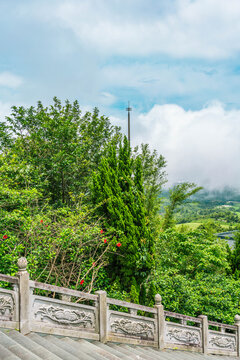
x: 47, y: 159
x: 87, y: 212
x: 177, y: 195
x: 61, y: 146
x: 193, y: 275
x: 63, y: 245
x: 118, y: 187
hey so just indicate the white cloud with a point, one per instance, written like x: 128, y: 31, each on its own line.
x: 107, y: 98
x: 200, y: 146
x: 200, y: 28
x: 5, y: 110
x: 10, y: 80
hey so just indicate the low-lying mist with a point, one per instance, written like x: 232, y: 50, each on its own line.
x: 199, y: 146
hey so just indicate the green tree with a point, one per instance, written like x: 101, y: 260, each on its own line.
x: 192, y: 275
x: 63, y: 246
x: 191, y: 253
x: 118, y: 188
x: 60, y: 143
x: 214, y: 295
x: 235, y: 256
x: 178, y: 195
x: 154, y: 177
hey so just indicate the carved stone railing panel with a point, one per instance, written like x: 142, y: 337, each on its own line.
x: 222, y: 341
x: 183, y: 334
x: 124, y: 325
x: 8, y: 305
x: 63, y: 314
x: 19, y: 308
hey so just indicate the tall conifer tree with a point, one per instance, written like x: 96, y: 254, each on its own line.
x: 118, y: 187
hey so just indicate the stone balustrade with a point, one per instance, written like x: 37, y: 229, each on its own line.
x: 98, y: 317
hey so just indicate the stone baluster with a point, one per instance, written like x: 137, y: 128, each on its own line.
x: 102, y: 315
x: 204, y: 333
x: 24, y: 296
x: 65, y: 297
x: 183, y: 321
x: 15, y: 287
x: 133, y: 311
x: 160, y: 321
x: 237, y: 323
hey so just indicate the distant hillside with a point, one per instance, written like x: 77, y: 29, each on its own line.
x: 218, y: 196
x: 219, y: 207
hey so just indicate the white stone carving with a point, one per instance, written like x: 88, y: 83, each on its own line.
x: 185, y: 336
x: 129, y: 327
x: 223, y: 342
x: 6, y: 305
x: 65, y: 316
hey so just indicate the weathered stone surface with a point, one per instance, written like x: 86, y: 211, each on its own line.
x: 160, y: 321
x: 22, y: 264
x: 132, y: 326
x: 20, y: 308
x: 204, y: 328
x: 6, y: 306
x: 222, y: 341
x: 9, y: 309
x: 237, y: 323
x: 24, y: 296
x: 102, y: 315
x: 184, y: 335
x: 63, y: 314
x: 65, y: 317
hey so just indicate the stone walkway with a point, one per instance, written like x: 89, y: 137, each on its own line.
x: 15, y: 346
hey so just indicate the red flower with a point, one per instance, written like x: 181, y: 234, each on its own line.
x: 105, y: 240
x: 46, y: 225
x: 5, y: 236
x: 94, y: 263
x: 119, y: 244
x: 41, y: 221
x: 81, y: 282
x: 101, y: 231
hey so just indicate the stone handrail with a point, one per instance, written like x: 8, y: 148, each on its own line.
x: 8, y: 278
x: 61, y: 290
x: 131, y: 305
x: 91, y: 316
x: 182, y: 317
x: 224, y: 326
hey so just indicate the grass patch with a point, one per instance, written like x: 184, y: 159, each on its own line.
x: 190, y: 225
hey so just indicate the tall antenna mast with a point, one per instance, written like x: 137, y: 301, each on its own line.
x: 128, y: 109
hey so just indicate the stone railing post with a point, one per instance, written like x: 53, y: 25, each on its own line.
x: 24, y: 295
x: 102, y: 315
x: 204, y: 333
x: 237, y: 323
x: 160, y: 321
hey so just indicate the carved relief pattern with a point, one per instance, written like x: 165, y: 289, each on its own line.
x: 187, y: 337
x: 65, y: 316
x: 223, y: 342
x: 6, y: 305
x: 129, y: 327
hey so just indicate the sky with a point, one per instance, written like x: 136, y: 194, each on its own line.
x: 176, y: 61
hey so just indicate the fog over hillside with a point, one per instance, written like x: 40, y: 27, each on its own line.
x: 200, y: 146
